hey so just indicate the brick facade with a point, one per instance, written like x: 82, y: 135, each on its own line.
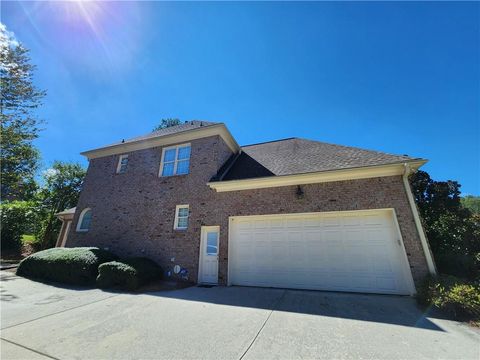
x: 133, y: 212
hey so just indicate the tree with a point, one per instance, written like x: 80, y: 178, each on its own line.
x: 16, y: 219
x: 19, y: 125
x: 165, y: 123
x: 61, y: 190
x: 452, y: 230
x: 472, y: 203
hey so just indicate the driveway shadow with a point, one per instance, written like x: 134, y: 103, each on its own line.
x: 389, y: 309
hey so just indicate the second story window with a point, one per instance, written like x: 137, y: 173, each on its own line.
x: 122, y: 164
x: 175, y: 160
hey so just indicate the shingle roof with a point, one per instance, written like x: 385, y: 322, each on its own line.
x: 186, y: 126
x: 298, y: 156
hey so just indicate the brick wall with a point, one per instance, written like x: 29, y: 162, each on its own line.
x: 133, y: 213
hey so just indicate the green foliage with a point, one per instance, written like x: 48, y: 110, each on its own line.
x: 128, y: 274
x: 472, y: 203
x: 16, y: 218
x: 28, y: 239
x: 452, y: 230
x: 165, y: 123
x: 455, y: 296
x: 78, y: 266
x: 19, y: 125
x: 61, y: 190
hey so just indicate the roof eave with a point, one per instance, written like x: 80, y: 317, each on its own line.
x: 162, y: 140
x: 364, y: 172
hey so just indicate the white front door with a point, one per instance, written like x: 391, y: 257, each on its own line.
x: 209, y: 254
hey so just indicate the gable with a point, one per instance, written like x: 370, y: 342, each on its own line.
x: 189, y: 131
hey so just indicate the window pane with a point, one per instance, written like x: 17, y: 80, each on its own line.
x: 182, y: 223
x: 211, y: 250
x: 183, y: 153
x: 182, y: 212
x: 183, y: 167
x: 86, y: 220
x: 123, y: 165
x: 169, y: 155
x: 123, y: 161
x: 212, y: 243
x: 167, y: 169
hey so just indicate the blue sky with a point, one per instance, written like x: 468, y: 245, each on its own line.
x: 402, y: 77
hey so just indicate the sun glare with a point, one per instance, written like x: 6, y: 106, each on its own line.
x: 88, y: 12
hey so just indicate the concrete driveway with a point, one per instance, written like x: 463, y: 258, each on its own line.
x: 40, y: 321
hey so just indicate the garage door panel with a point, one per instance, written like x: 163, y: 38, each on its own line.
x: 386, y: 283
x: 331, y: 221
x: 354, y: 251
x: 359, y: 261
x: 314, y: 222
x: 352, y: 237
x: 354, y: 221
x: 332, y: 237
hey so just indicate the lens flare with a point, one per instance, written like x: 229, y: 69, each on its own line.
x: 101, y: 35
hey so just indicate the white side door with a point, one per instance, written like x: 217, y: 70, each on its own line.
x: 209, y: 246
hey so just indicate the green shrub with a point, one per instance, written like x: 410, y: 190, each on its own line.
x: 78, y: 266
x: 455, y: 296
x: 460, y: 265
x: 16, y: 218
x: 128, y: 274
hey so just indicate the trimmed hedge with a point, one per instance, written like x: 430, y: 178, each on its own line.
x: 128, y: 274
x: 453, y: 295
x: 78, y: 266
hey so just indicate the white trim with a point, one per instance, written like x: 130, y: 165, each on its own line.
x: 175, y: 161
x: 418, y: 222
x: 80, y: 219
x: 177, y: 209
x: 408, y: 271
x: 162, y: 140
x: 314, y: 177
x: 65, y: 234
x: 406, y: 268
x: 340, y: 212
x: 119, y: 165
x: 203, y: 230
x: 230, y: 221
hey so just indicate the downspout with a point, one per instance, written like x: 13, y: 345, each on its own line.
x: 418, y: 222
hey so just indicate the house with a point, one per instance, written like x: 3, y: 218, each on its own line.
x: 291, y: 213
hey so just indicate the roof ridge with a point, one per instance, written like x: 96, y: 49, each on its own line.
x: 357, y: 148
x: 267, y: 142
x: 331, y: 144
x: 186, y: 122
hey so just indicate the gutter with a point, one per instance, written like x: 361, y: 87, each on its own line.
x: 362, y: 172
x: 418, y: 223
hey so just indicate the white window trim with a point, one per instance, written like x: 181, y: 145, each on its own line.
x: 177, y: 209
x: 119, y: 165
x: 176, y: 147
x: 80, y: 219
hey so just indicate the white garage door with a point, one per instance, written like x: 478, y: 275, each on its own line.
x: 357, y: 251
